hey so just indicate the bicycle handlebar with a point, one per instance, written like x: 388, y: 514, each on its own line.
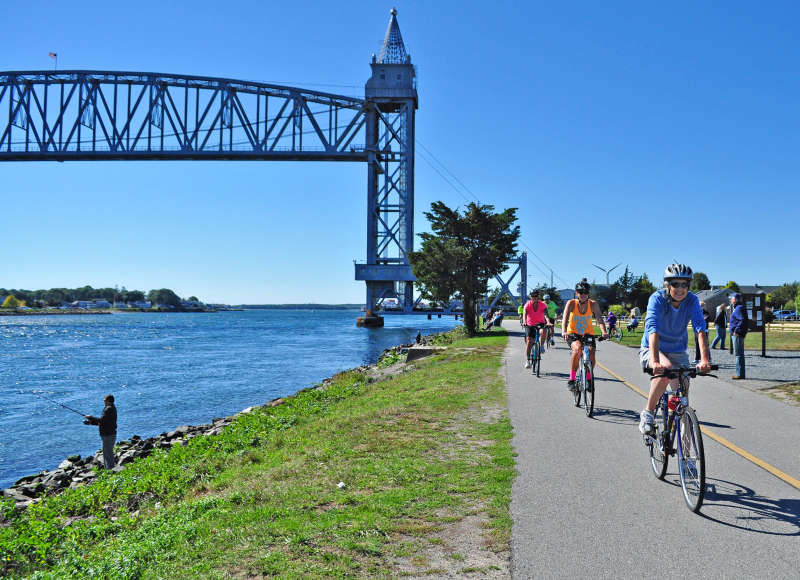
x: 673, y: 373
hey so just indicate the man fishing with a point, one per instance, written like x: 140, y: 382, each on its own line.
x: 107, y: 423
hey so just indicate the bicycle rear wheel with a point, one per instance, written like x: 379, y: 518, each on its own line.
x: 659, y: 450
x: 691, y: 460
x: 588, y: 392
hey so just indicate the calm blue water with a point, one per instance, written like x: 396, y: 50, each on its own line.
x: 166, y: 370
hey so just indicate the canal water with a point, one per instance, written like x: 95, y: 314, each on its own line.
x: 166, y: 370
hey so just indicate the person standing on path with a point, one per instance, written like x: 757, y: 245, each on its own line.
x: 707, y: 318
x: 738, y: 328
x: 720, y: 322
x: 107, y: 423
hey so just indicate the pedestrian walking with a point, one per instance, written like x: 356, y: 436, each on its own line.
x: 107, y: 422
x: 738, y: 329
x: 707, y: 318
x: 720, y: 322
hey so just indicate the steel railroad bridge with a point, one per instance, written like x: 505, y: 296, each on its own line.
x: 84, y: 115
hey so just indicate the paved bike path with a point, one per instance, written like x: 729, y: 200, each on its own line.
x: 585, y: 502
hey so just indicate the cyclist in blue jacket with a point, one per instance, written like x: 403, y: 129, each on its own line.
x: 665, y: 339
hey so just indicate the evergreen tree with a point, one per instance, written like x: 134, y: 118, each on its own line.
x: 464, y: 253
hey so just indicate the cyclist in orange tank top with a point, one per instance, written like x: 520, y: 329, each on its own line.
x: 577, y: 321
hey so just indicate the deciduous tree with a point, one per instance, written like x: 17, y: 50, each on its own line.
x: 700, y: 282
x: 11, y: 302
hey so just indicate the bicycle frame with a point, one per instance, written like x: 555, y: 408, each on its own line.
x: 536, y: 350
x: 584, y: 386
x: 669, y: 438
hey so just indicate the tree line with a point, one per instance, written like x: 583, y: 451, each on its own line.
x: 59, y: 296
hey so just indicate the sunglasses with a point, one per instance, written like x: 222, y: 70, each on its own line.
x: 581, y: 292
x: 679, y: 284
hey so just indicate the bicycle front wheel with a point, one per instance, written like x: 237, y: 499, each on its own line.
x: 692, y: 460
x: 588, y: 392
x: 576, y: 394
x: 538, y: 362
x: 659, y: 450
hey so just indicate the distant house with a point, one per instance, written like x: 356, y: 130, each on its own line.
x: 100, y: 303
x: 717, y: 296
x: 192, y: 305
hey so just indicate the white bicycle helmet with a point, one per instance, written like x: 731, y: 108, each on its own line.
x: 679, y: 271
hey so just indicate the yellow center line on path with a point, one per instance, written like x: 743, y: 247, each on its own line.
x: 793, y: 481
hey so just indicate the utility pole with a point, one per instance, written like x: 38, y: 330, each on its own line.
x: 607, y: 271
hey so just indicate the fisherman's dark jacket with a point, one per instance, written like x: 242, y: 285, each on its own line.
x: 107, y: 421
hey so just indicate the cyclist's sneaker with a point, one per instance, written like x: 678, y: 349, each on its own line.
x: 571, y: 385
x: 646, y: 420
x: 527, y: 364
x: 552, y: 342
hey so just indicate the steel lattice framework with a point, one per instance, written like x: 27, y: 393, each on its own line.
x: 99, y: 115
x: 80, y: 115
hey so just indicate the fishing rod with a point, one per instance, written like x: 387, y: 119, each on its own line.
x: 57, y: 403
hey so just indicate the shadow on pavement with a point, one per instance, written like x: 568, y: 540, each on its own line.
x: 720, y: 425
x: 616, y: 415
x: 740, y: 507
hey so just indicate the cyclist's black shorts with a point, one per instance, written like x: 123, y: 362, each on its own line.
x: 530, y: 331
x: 573, y: 337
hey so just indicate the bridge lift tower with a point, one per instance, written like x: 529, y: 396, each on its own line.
x: 391, y: 100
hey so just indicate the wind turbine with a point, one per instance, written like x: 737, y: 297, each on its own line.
x: 606, y: 271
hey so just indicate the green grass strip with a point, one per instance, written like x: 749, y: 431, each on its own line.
x: 416, y: 451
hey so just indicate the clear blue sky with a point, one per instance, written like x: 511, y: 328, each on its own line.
x: 623, y: 131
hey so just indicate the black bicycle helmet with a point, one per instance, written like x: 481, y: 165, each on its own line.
x: 583, y: 286
x: 679, y: 271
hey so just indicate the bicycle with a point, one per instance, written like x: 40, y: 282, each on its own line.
x: 677, y: 431
x: 584, y: 379
x: 615, y: 332
x: 549, y: 336
x: 536, y: 351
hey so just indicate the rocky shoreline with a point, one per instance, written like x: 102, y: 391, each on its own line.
x: 76, y: 471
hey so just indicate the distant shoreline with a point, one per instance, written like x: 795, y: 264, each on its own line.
x: 299, y: 306
x: 53, y: 312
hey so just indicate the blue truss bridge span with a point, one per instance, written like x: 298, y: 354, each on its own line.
x: 101, y: 115
x: 85, y: 115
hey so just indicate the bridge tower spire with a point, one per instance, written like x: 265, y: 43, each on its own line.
x: 391, y: 102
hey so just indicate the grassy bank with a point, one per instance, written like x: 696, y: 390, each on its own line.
x: 369, y: 476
